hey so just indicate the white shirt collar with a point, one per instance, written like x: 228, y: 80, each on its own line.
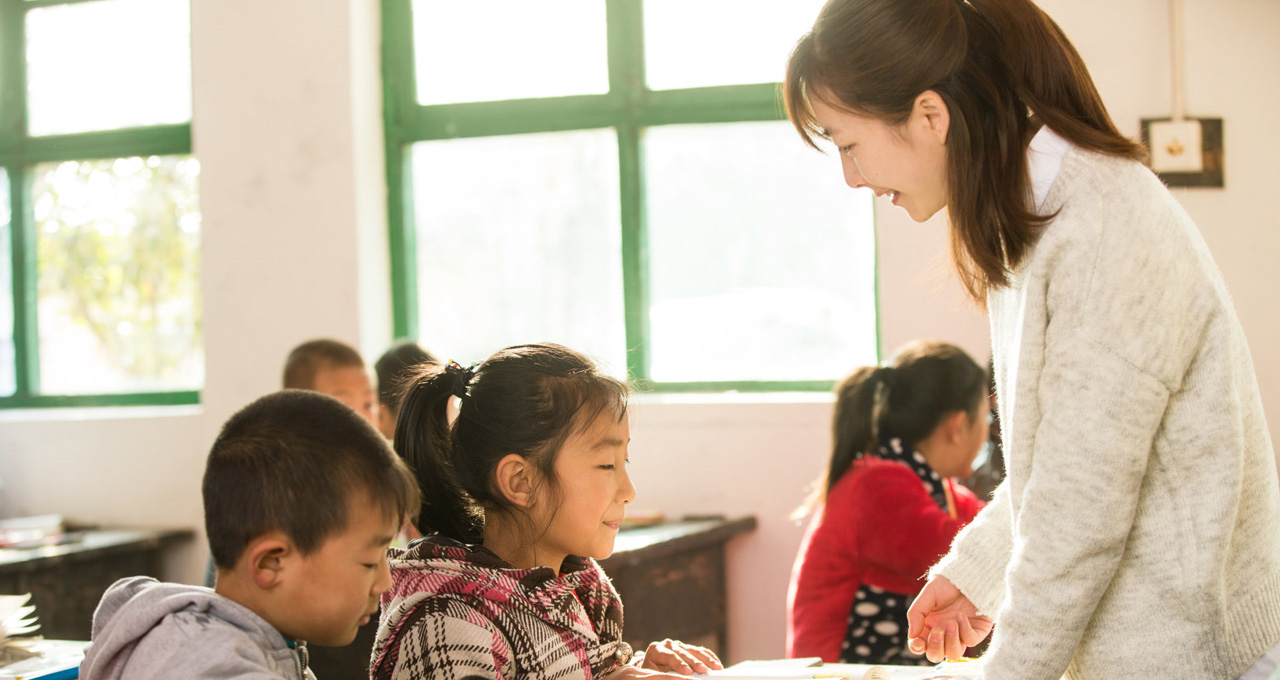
x: 1044, y: 160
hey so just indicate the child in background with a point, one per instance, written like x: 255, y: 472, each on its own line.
x: 393, y: 369
x: 526, y: 486
x: 301, y: 499
x: 333, y: 368
x: 887, y: 507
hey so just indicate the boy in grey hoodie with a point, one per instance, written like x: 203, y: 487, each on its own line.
x: 302, y: 497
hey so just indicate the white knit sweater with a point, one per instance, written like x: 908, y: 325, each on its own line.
x: 1138, y: 532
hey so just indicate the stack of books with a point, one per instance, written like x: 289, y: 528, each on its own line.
x: 24, y: 533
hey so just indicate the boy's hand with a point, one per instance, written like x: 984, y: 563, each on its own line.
x: 942, y: 622
x: 677, y: 657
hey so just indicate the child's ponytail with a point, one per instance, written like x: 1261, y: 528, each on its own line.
x: 854, y: 428
x: 423, y: 439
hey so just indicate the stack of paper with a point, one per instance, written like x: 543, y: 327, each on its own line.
x: 16, y: 618
x: 814, y: 669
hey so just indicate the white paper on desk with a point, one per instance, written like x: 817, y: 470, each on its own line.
x: 783, y: 669
x: 811, y: 668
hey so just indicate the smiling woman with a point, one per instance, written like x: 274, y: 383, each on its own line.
x: 1117, y: 351
x: 906, y: 161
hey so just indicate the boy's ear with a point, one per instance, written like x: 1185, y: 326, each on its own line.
x: 514, y: 478
x: 268, y: 558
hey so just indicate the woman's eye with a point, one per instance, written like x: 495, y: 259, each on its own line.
x: 607, y: 467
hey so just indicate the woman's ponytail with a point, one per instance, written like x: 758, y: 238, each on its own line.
x: 1051, y: 78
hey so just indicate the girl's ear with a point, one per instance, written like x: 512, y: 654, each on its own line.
x: 514, y: 477
x: 268, y: 557
x: 933, y: 115
x: 955, y: 424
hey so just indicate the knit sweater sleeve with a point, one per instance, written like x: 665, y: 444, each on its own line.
x: 980, y: 553
x: 1119, y: 323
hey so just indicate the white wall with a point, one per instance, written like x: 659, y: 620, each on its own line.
x: 287, y: 131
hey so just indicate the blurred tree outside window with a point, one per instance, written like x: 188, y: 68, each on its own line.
x: 101, y: 271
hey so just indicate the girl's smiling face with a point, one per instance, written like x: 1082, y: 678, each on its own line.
x: 593, y: 491
x: 906, y: 162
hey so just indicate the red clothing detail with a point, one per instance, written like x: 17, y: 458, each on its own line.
x: 878, y: 526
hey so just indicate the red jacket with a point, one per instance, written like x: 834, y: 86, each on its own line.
x: 878, y: 526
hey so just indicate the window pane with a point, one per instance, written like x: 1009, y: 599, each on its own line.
x: 509, y: 49
x: 761, y: 260
x: 697, y: 43
x: 107, y: 65
x: 519, y: 240
x: 118, y: 248
x: 7, y: 365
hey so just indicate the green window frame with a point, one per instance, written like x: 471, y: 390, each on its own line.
x: 19, y: 153
x: 629, y: 107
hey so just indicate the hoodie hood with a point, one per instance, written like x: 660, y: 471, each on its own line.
x: 138, y: 607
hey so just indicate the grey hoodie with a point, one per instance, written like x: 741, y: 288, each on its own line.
x: 147, y: 629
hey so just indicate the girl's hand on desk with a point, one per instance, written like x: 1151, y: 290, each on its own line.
x: 677, y: 657
x: 942, y: 622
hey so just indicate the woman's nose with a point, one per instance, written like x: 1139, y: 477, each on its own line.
x: 852, y: 177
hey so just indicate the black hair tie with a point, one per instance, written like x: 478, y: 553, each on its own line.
x: 461, y: 377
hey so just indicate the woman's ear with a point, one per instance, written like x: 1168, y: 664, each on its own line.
x: 933, y: 116
x: 268, y: 558
x: 514, y: 477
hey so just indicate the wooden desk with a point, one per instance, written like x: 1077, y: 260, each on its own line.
x: 66, y: 581
x: 671, y: 577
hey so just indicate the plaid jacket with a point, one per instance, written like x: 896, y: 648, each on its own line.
x: 455, y: 611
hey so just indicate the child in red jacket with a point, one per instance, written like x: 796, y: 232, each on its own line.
x: 887, y: 507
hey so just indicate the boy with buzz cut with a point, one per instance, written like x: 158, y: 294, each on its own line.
x: 302, y: 497
x: 333, y: 368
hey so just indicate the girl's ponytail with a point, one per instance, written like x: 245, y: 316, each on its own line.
x: 853, y: 428
x: 423, y: 439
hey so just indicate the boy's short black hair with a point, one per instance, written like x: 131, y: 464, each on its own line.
x: 396, y: 367
x: 310, y: 357
x: 293, y: 461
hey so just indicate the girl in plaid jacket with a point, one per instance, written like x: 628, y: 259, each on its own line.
x: 520, y: 492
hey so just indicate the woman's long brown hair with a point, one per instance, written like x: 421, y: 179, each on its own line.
x: 1002, y: 67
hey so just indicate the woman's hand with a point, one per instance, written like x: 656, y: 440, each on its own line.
x: 942, y: 622
x: 677, y: 657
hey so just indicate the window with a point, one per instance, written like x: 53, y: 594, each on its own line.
x: 99, y: 211
x: 618, y: 177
